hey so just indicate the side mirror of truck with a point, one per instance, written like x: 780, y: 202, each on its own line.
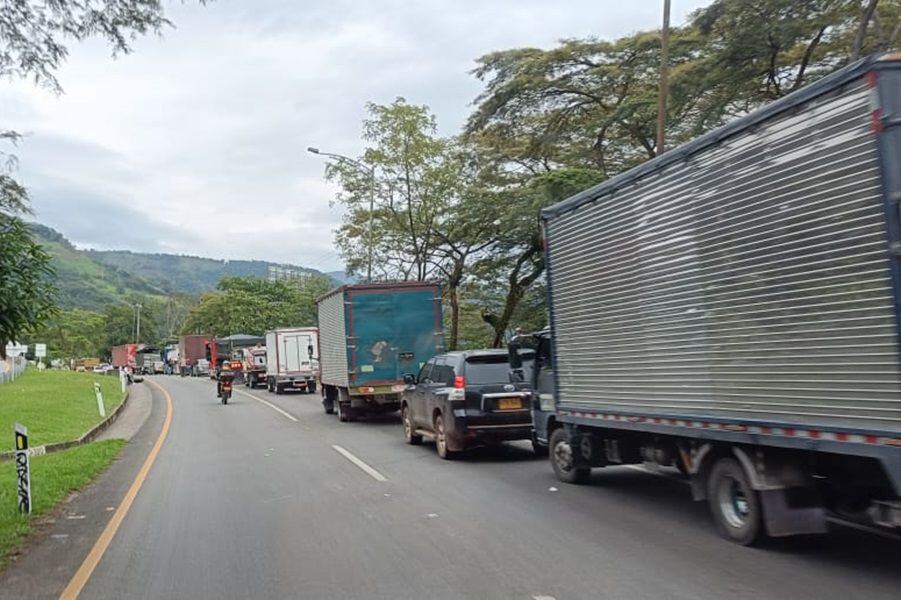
x: 409, y: 379
x: 310, y: 350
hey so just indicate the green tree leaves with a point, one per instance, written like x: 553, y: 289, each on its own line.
x: 26, y: 292
x: 254, y: 306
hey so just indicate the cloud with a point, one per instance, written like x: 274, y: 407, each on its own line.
x: 196, y: 142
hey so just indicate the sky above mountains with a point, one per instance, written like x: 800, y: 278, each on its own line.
x: 195, y: 143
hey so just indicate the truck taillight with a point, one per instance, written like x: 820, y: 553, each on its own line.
x: 875, y: 107
x: 459, y: 382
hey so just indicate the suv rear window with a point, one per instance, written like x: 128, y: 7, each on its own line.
x: 489, y: 369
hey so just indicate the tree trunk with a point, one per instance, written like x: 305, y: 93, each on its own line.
x: 862, y: 28
x: 455, y: 318
x: 3, y: 349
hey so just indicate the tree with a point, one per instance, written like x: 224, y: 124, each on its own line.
x: 73, y: 333
x: 254, y: 306
x: 120, y: 327
x: 515, y: 260
x: 414, y: 181
x: 26, y: 293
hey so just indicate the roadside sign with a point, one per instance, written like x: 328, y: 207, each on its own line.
x: 99, y: 393
x: 40, y: 350
x: 23, y: 469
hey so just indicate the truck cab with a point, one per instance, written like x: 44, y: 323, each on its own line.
x: 536, y: 347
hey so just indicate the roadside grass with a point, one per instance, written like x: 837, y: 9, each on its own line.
x: 55, y: 406
x: 53, y: 478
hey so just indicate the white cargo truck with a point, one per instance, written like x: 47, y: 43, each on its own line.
x: 292, y: 359
x: 732, y: 308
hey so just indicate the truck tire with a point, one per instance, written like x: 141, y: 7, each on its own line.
x: 441, y: 439
x: 561, y: 454
x: 409, y: 437
x: 734, y: 504
x: 311, y: 387
x: 279, y: 389
x: 344, y: 411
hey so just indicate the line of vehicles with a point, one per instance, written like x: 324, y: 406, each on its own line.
x: 731, y: 309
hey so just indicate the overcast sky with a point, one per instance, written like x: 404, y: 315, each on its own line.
x: 195, y: 143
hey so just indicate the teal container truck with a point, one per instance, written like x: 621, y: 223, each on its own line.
x: 370, y: 336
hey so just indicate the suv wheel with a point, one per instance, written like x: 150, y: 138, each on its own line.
x: 441, y: 438
x: 409, y: 437
x: 562, y: 459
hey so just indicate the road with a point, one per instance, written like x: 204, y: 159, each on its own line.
x: 253, y: 500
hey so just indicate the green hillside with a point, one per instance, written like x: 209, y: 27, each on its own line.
x: 186, y: 274
x: 85, y: 283
x: 91, y: 279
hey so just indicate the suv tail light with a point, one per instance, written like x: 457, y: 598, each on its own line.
x: 459, y: 382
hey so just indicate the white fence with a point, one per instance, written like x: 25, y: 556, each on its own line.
x: 11, y: 368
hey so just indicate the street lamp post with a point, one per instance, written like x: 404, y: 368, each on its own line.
x: 370, y: 170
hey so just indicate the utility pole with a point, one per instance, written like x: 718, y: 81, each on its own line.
x: 664, y: 74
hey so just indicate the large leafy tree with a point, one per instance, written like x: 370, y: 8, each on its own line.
x: 253, y: 306
x: 414, y: 181
x: 26, y: 292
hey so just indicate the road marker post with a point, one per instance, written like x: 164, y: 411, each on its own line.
x: 99, y: 393
x: 23, y: 469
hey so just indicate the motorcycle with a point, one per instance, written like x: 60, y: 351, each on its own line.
x: 226, y: 381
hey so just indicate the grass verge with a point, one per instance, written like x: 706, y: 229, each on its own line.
x: 53, y: 478
x: 55, y: 406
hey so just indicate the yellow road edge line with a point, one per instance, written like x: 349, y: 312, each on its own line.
x: 83, y: 574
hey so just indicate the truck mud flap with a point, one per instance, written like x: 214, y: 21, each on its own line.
x: 783, y: 520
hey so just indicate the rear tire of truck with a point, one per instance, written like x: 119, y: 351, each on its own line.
x: 311, y: 387
x: 409, y: 437
x: 735, y: 506
x: 562, y: 458
x: 279, y: 390
x: 343, y: 410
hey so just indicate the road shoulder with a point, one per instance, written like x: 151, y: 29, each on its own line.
x: 62, y: 539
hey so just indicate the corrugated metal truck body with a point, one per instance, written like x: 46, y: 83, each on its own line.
x: 743, y: 287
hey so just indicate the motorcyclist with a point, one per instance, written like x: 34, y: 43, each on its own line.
x: 224, y: 373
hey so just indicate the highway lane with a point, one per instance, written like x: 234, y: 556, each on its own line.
x: 248, y: 501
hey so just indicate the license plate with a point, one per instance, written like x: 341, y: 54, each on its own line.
x: 509, y: 403
x: 300, y: 384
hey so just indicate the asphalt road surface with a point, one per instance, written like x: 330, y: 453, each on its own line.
x: 279, y: 500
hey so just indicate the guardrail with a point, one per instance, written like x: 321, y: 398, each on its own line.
x: 12, y: 368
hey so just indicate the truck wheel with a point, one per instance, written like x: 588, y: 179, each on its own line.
x: 409, y: 437
x: 735, y: 506
x: 311, y: 387
x: 279, y: 389
x: 561, y: 454
x: 343, y: 410
x: 441, y: 439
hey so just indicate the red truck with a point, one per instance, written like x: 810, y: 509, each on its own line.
x: 191, y: 350
x: 125, y: 356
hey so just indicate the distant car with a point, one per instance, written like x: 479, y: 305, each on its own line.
x: 201, y: 368
x: 465, y: 399
x: 103, y: 368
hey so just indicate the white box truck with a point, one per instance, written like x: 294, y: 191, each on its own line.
x: 292, y: 359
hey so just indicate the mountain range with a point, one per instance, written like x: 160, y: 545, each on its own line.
x: 92, y: 279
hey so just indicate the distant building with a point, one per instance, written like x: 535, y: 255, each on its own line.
x: 282, y: 273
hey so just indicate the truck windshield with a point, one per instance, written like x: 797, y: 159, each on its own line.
x: 493, y: 369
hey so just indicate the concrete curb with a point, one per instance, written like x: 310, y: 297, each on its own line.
x: 84, y: 439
